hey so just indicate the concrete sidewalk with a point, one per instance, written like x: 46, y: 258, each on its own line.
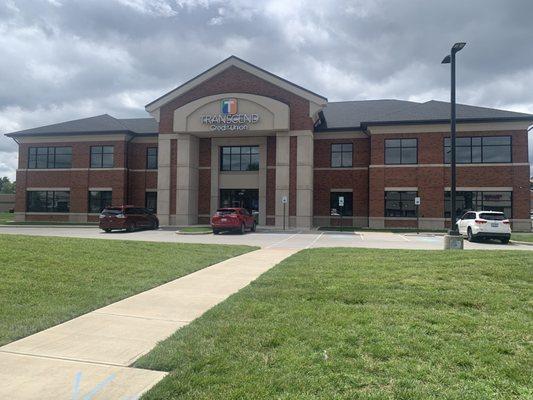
x: 90, y: 355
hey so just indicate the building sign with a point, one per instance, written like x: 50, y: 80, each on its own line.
x: 229, y: 119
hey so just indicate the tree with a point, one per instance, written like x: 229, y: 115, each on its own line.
x: 6, y: 186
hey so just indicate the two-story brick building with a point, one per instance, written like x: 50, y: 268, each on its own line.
x: 239, y: 135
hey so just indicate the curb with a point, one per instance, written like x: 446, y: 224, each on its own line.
x: 193, y: 233
x: 524, y: 243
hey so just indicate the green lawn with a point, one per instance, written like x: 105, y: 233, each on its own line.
x: 362, y: 324
x: 45, y: 280
x: 522, y: 237
x: 6, y: 217
x: 196, y: 229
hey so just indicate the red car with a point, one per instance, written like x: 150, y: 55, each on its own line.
x: 232, y: 219
x: 129, y: 218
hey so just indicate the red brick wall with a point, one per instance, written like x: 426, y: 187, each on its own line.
x: 292, y: 175
x: 237, y: 80
x: 340, y: 178
x: 204, y: 177
x: 431, y: 181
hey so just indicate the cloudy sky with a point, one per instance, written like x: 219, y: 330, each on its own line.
x: 62, y: 60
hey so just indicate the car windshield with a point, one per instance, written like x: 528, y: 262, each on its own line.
x: 226, y: 211
x: 492, y: 216
x: 112, y: 211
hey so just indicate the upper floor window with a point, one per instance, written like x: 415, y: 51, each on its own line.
x: 341, y: 155
x: 479, y: 149
x: 239, y: 158
x: 151, y: 158
x: 401, y: 151
x: 50, y: 157
x: 102, y: 157
x: 48, y: 201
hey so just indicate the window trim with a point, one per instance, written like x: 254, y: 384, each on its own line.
x: 448, y: 199
x: 401, y: 147
x: 89, y: 211
x: 48, y: 156
x: 48, y: 211
x: 344, y: 193
x: 148, y: 157
x: 101, y: 156
x: 341, y: 153
x: 481, y: 147
x: 221, y: 158
x: 397, y: 191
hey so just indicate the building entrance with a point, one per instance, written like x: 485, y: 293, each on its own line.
x: 245, y: 198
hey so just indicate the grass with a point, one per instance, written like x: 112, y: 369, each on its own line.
x: 45, y: 280
x: 6, y: 217
x: 196, y: 229
x: 522, y: 237
x: 362, y: 324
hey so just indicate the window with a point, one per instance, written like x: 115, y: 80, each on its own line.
x: 239, y: 158
x: 341, y: 155
x: 347, y: 210
x: 50, y: 157
x: 479, y: 201
x: 400, y: 204
x: 151, y: 158
x: 99, y: 199
x: 401, y: 151
x: 150, y: 201
x: 102, y: 157
x: 48, y: 201
x: 479, y: 149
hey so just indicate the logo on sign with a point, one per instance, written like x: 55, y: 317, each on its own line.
x: 228, y: 106
x: 229, y: 119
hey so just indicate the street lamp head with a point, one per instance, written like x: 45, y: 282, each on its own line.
x: 446, y: 60
x: 458, y: 46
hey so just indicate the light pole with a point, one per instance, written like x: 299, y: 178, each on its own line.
x: 450, y: 59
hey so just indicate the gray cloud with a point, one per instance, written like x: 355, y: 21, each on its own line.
x: 68, y: 59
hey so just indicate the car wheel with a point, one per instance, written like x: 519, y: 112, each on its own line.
x: 254, y: 227
x: 130, y: 227
x: 243, y: 229
x: 470, y: 235
x: 107, y: 230
x: 505, y: 240
x: 216, y: 231
x: 155, y: 226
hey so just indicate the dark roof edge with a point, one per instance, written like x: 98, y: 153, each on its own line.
x: 125, y: 131
x: 349, y: 128
x: 244, y: 61
x: 446, y: 121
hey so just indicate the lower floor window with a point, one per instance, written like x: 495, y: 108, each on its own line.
x: 335, y: 205
x: 99, y: 199
x: 150, y: 201
x: 400, y: 204
x: 48, y: 201
x: 479, y: 201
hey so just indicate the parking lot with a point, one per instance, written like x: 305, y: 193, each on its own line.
x: 270, y: 239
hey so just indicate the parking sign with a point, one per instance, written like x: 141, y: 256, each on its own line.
x: 417, y: 201
x: 341, y: 201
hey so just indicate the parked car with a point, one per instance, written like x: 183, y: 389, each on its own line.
x: 129, y: 218
x: 232, y: 219
x: 484, y: 225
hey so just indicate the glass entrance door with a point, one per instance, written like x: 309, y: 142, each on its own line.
x: 244, y: 198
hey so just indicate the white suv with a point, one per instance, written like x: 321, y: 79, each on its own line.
x: 485, y: 224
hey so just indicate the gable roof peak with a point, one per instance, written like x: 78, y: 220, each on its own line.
x: 235, y: 61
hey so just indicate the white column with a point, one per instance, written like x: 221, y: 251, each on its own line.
x: 187, y: 180
x: 304, y: 180
x: 282, y: 176
x: 163, y: 181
